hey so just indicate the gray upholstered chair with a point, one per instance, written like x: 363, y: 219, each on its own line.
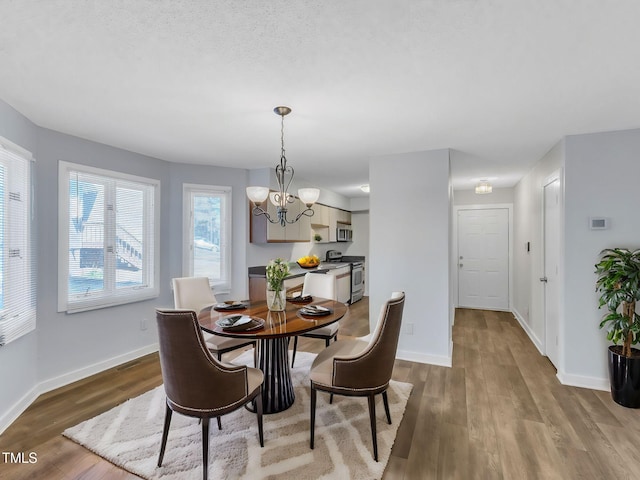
x: 194, y: 293
x: 324, y: 286
x: 196, y: 384
x: 359, y: 368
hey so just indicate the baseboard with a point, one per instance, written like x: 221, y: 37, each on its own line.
x: 442, y: 361
x: 67, y: 378
x: 46, y: 386
x: 532, y: 336
x: 593, y: 383
x: 16, y: 410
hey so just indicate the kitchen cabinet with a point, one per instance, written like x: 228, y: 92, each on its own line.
x: 263, y: 231
x: 337, y: 217
x: 343, y: 283
x: 324, y: 222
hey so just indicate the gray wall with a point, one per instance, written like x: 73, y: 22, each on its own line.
x: 410, y: 251
x: 601, y: 179
x: 18, y: 359
x: 69, y: 342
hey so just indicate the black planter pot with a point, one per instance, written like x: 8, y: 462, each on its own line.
x: 624, y: 375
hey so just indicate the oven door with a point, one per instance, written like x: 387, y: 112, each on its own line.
x: 357, y: 282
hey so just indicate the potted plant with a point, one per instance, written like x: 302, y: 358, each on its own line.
x: 619, y: 286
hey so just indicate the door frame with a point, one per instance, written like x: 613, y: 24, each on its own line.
x: 556, y: 175
x: 454, y: 265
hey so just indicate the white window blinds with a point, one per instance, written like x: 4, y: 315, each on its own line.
x: 110, y: 242
x: 17, y: 263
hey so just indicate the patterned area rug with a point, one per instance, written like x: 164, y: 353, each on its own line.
x: 129, y: 436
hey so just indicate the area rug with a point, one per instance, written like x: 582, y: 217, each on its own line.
x: 129, y: 436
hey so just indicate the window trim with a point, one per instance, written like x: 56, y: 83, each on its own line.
x: 188, y: 189
x: 105, y: 301
x: 25, y: 320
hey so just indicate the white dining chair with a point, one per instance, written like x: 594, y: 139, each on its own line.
x: 324, y: 286
x: 194, y: 293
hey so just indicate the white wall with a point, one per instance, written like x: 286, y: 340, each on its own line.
x: 409, y: 248
x: 601, y: 179
x: 528, y: 267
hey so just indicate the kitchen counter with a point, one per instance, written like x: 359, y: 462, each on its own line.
x: 294, y: 271
x: 258, y: 279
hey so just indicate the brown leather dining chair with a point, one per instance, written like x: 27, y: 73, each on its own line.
x: 196, y: 383
x: 319, y: 285
x: 358, y: 368
x: 194, y: 293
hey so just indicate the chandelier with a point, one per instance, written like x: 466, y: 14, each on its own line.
x: 282, y: 198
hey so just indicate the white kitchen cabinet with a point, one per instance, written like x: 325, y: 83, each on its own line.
x: 343, y: 283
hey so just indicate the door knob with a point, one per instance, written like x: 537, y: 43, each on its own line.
x: 460, y: 265
x: 543, y: 279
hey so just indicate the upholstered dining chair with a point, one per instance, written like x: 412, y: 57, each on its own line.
x: 194, y: 293
x: 196, y: 383
x: 324, y: 286
x: 358, y: 368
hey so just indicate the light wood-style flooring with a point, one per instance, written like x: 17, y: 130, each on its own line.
x: 499, y: 412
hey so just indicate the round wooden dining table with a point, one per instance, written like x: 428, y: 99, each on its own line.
x: 273, y: 341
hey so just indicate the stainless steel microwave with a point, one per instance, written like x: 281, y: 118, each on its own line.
x: 344, y: 234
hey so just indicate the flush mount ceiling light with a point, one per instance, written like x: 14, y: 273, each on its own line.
x: 483, y: 187
x: 365, y: 188
x: 282, y: 198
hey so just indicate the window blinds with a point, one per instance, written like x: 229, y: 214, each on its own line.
x: 17, y: 240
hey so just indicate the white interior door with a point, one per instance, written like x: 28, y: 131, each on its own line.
x: 551, y: 266
x: 483, y: 258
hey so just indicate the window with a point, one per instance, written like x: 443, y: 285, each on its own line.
x: 108, y: 238
x: 17, y: 275
x: 207, y: 234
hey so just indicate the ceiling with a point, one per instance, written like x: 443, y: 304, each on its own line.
x: 497, y: 81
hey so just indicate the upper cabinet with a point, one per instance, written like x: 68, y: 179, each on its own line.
x: 263, y: 231
x: 331, y: 219
x: 324, y: 223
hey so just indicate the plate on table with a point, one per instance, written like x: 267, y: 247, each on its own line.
x: 230, y: 305
x: 239, y: 323
x: 300, y: 299
x: 315, y: 311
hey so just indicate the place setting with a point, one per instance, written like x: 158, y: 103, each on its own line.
x: 230, y: 305
x: 315, y: 311
x: 239, y: 323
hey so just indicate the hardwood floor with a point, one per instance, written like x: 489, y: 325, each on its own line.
x: 499, y: 412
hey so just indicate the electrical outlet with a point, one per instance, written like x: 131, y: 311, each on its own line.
x: 143, y: 324
x: 408, y: 328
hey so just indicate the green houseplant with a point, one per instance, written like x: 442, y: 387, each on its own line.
x: 277, y: 270
x: 619, y: 286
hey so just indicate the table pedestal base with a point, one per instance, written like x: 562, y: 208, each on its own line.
x: 273, y: 360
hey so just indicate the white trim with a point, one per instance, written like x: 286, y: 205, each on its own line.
x: 103, y: 301
x: 226, y: 240
x: 51, y: 384
x: 18, y: 408
x: 593, y: 383
x: 16, y: 149
x: 454, y: 267
x: 527, y: 329
x: 440, y: 360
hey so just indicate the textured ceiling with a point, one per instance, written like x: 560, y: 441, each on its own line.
x: 497, y: 81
